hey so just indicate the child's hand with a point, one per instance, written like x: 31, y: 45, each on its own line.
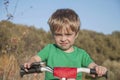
x: 27, y: 66
x: 101, y: 70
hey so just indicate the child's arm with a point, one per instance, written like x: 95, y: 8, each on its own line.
x: 92, y: 65
x: 99, y: 69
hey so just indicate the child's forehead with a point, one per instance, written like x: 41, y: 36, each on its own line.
x: 64, y: 30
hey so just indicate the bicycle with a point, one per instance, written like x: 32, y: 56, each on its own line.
x: 59, y: 72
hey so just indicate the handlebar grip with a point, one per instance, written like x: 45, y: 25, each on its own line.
x: 32, y: 69
x: 93, y: 71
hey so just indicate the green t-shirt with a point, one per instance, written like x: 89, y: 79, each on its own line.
x: 55, y: 57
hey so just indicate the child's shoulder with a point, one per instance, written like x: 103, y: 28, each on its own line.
x: 80, y: 50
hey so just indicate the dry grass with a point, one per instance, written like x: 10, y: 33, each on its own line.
x: 9, y: 69
x: 113, y: 69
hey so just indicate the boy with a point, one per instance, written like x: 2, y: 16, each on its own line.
x: 64, y: 25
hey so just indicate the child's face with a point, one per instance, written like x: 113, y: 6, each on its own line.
x: 65, y: 39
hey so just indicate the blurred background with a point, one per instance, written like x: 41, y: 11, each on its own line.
x: 24, y: 31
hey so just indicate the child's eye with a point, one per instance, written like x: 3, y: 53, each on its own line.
x: 57, y: 34
x: 68, y: 34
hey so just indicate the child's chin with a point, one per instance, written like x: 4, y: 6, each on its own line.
x: 64, y: 48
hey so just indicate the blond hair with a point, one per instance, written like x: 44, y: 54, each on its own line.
x: 64, y: 18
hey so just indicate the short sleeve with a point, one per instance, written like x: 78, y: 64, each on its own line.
x: 86, y: 59
x: 44, y: 53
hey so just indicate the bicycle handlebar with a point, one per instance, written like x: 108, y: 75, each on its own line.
x: 38, y: 67
x: 35, y: 68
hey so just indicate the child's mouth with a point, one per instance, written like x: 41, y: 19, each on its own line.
x: 63, y: 44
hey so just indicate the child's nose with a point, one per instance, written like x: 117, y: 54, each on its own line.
x: 63, y: 38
